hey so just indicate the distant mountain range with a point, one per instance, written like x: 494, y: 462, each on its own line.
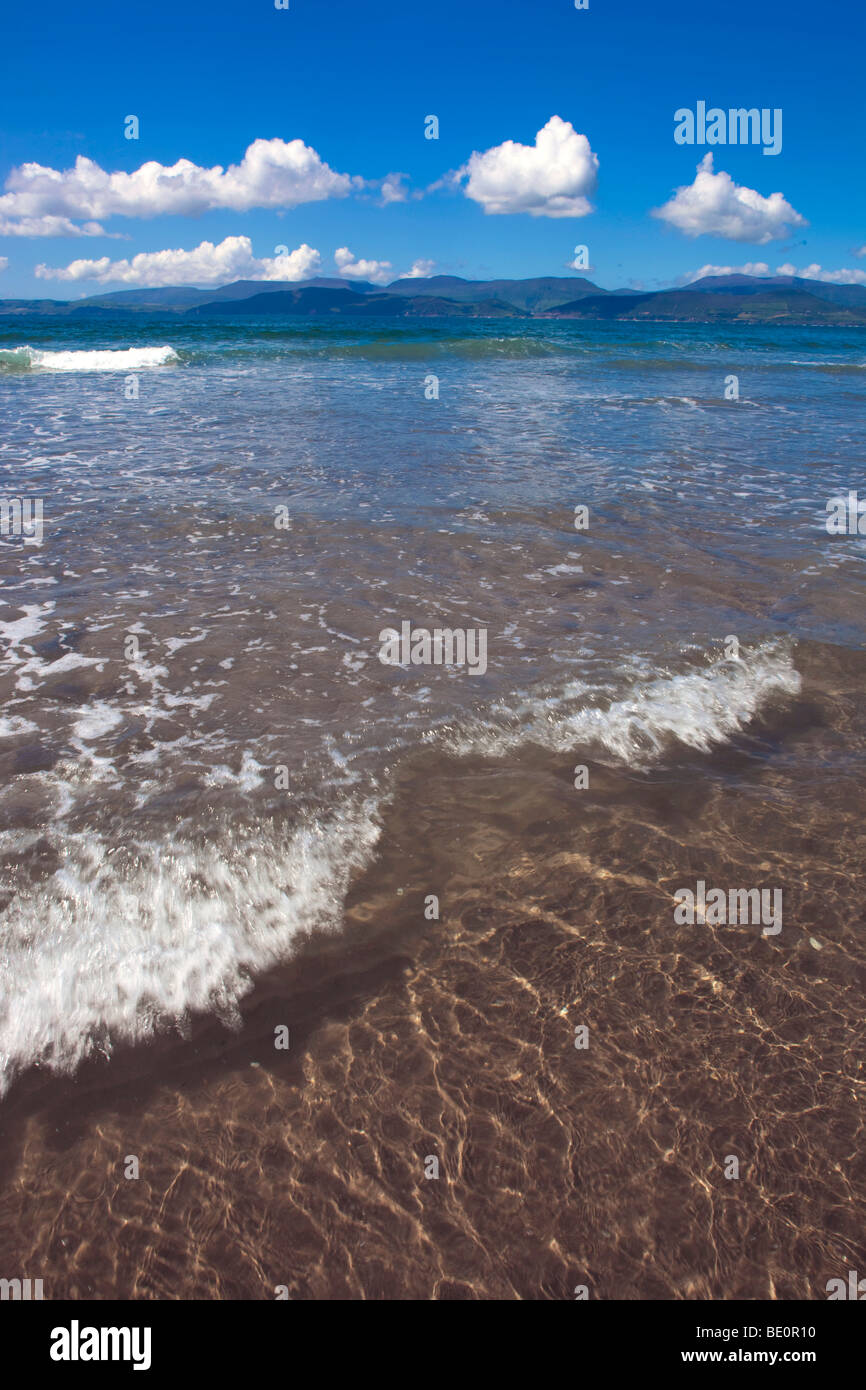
x: 714, y: 299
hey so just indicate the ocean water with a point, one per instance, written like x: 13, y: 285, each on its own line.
x: 221, y: 811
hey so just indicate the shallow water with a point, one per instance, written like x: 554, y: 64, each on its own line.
x: 236, y: 820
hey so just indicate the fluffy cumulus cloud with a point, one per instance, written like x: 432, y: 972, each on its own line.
x: 552, y: 178
x: 420, y: 270
x: 716, y: 206
x: 272, y: 174
x: 393, y: 189
x: 832, y: 277
x: 376, y: 272
x: 208, y: 264
x: 49, y: 226
x: 809, y: 272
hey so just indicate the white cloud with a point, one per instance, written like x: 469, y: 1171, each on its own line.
x: 551, y: 178
x: 231, y: 259
x: 716, y: 206
x: 377, y: 272
x: 759, y: 268
x: 830, y: 277
x: 750, y: 268
x: 861, y: 251
x: 49, y: 226
x: 272, y: 174
x: 393, y: 190
x: 4, y: 262
x: 451, y: 182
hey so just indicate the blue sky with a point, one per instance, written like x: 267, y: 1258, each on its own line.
x: 355, y: 82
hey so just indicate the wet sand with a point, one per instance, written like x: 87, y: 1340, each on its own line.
x: 455, y: 1039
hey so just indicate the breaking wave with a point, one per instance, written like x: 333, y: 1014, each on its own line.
x: 636, y: 723
x: 121, y: 360
x: 127, y: 940
x: 128, y: 937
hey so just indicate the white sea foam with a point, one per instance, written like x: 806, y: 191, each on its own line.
x: 124, y: 940
x: 96, y: 719
x: 29, y: 626
x: 249, y: 776
x: 95, y: 360
x: 131, y: 935
x: 699, y: 709
x: 11, y: 725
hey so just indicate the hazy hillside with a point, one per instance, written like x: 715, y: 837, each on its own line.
x: 724, y: 304
x: 316, y: 300
x: 853, y: 296
x: 533, y: 295
x: 713, y: 299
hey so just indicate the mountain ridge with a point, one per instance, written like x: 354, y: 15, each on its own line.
x: 710, y: 299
